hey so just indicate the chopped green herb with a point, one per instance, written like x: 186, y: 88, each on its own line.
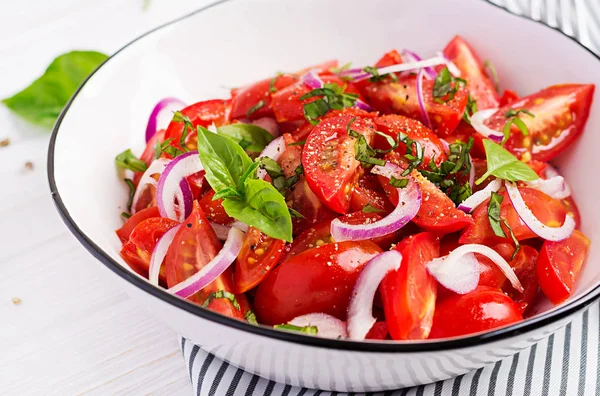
x: 470, y: 109
x: 338, y: 70
x: 363, y: 152
x: 255, y: 108
x: 221, y: 294
x: 513, y: 116
x: 187, y: 128
x: 165, y: 147
x: 250, y: 317
x: 127, y: 160
x: 131, y: 186
x: 487, y: 65
x: 502, y: 164
x: 298, y: 143
x: 398, y: 183
x: 295, y: 214
x: 446, y: 86
x: 126, y: 215
x: 514, y: 239
x: 314, y: 110
x: 272, y: 87
x: 494, y: 214
x: 304, y: 329
x: 331, y: 97
x: 368, y: 208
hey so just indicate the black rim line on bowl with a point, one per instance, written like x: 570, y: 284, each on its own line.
x: 365, y: 346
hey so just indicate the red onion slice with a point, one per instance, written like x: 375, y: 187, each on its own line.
x: 359, y: 104
x: 455, y: 71
x: 555, y: 234
x: 421, y: 100
x: 409, y: 202
x: 173, y: 185
x: 555, y: 187
x: 269, y: 125
x: 458, y: 271
x: 156, y: 167
x: 327, y: 325
x: 359, y: 74
x: 469, y: 204
x: 161, y: 115
x: 496, y: 259
x: 312, y: 80
x: 360, y: 309
x: 159, y: 253
x: 478, y: 123
x: 273, y: 151
x: 222, y: 231
x: 411, y: 56
x: 214, y: 268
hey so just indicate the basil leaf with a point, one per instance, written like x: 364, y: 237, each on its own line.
x: 303, y: 329
x: 128, y: 160
x: 264, y: 208
x: 504, y: 165
x: 514, y: 239
x: 42, y: 101
x: 487, y: 65
x: 221, y: 294
x: 494, y: 214
x: 255, y: 108
x: 295, y: 214
x: 398, y: 183
x: 368, y: 208
x: 126, y: 215
x: 250, y: 317
x: 224, y: 161
x: 131, y: 186
x: 256, y: 136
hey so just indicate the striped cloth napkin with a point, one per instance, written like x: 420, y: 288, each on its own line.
x: 566, y: 363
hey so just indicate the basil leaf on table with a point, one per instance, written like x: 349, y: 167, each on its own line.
x: 502, y: 164
x: 257, y: 136
x: 224, y: 161
x: 264, y: 208
x: 43, y: 100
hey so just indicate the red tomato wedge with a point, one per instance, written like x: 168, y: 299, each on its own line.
x: 287, y: 105
x: 401, y: 98
x: 560, y: 111
x: 318, y: 280
x: 482, y: 309
x: 524, y: 266
x: 480, y: 86
x: 213, y: 209
x: 124, y: 232
x: 393, y: 124
x: 248, y: 98
x: 193, y: 246
x: 137, y: 251
x: 202, y: 113
x: 508, y: 97
x: 548, y: 210
x: 259, y: 255
x: 368, y: 191
x: 408, y: 294
x: 328, y: 159
x: 558, y: 266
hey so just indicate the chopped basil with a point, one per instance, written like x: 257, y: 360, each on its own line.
x: 338, y: 70
x: 127, y: 160
x: 252, y: 138
x: 126, y: 215
x: 304, y: 329
x: 272, y: 87
x: 487, y: 65
x: 398, y: 183
x: 368, y: 208
x: 514, y: 239
x: 514, y: 119
x: 298, y: 143
x: 221, y: 294
x: 494, y: 214
x: 502, y: 164
x: 446, y: 86
x: 280, y: 182
x: 165, y: 147
x: 255, y: 108
x: 232, y: 174
x: 470, y: 109
x: 295, y: 214
x: 363, y: 152
x: 250, y: 317
x: 131, y: 186
x: 314, y: 110
x: 331, y: 97
x: 187, y: 128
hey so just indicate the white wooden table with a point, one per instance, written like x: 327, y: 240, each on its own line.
x: 74, y: 331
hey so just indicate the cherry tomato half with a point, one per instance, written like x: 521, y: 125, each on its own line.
x: 124, y: 232
x: 524, y: 266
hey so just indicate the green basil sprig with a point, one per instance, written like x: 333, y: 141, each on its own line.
x: 502, y: 164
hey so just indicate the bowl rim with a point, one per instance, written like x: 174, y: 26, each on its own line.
x: 298, y: 338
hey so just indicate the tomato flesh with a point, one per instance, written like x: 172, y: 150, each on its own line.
x: 558, y: 265
x: 482, y: 309
x: 247, y: 98
x: 124, y: 232
x: 409, y: 293
x: 213, y: 209
x: 258, y: 256
x: 318, y: 280
x: 328, y: 159
x: 524, y: 266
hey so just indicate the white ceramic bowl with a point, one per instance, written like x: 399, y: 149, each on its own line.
x: 236, y: 42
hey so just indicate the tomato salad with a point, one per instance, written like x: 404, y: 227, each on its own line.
x: 402, y: 200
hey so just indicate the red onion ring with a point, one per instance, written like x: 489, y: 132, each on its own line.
x: 409, y: 202
x: 214, y: 268
x: 478, y: 123
x: 222, y: 231
x: 555, y: 234
x: 421, y: 100
x: 156, y: 167
x: 360, y: 310
x: 173, y: 185
x: 359, y: 104
x: 269, y: 125
x: 170, y: 104
x: 413, y: 57
x: 458, y: 271
x: 312, y: 80
x: 555, y: 187
x: 358, y: 74
x: 159, y: 253
x: 273, y: 151
x: 480, y: 196
x: 327, y: 325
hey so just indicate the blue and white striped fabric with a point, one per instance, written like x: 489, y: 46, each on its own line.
x: 566, y: 363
